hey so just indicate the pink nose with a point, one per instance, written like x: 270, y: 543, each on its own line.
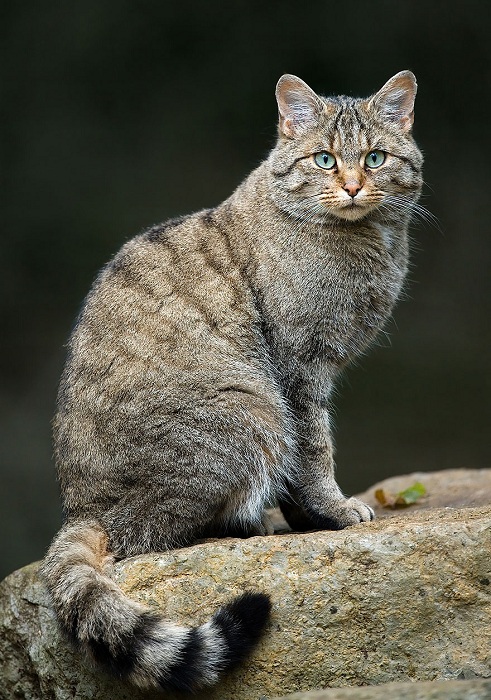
x: 352, y: 187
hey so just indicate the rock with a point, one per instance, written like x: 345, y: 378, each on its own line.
x: 451, y: 488
x: 405, y: 598
x: 431, y: 690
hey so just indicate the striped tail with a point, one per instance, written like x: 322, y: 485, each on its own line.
x: 127, y: 638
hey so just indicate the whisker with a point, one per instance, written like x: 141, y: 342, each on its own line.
x: 400, y: 203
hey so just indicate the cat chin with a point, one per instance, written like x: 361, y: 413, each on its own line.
x: 352, y: 213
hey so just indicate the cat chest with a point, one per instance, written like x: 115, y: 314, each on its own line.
x: 332, y: 310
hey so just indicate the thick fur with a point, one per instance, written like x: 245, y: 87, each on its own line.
x: 130, y: 640
x: 199, y: 374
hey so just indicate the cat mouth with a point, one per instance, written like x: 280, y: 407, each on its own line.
x: 353, y: 210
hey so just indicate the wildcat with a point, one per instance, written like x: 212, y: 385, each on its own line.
x: 199, y: 374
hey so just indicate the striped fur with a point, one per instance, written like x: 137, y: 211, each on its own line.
x: 128, y: 639
x: 199, y: 374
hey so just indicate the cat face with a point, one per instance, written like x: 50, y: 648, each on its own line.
x: 346, y: 157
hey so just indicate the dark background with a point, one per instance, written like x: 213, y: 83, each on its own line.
x: 117, y: 115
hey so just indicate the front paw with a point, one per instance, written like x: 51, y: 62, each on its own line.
x: 342, y: 513
x: 357, y: 511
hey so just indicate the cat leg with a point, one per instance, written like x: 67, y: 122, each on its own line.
x: 241, y: 530
x: 316, y: 501
x: 294, y: 514
x: 211, y: 477
x: 156, y: 519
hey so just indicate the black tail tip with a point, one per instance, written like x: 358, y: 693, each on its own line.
x: 242, y: 622
x: 250, y: 610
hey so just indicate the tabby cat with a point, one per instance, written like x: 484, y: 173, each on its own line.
x: 199, y: 374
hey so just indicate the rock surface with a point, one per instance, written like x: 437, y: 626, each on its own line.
x: 405, y: 598
x: 431, y: 690
x: 451, y: 488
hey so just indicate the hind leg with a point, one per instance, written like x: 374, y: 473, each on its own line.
x: 210, y: 487
x: 242, y: 530
x: 208, y: 468
x: 157, y: 520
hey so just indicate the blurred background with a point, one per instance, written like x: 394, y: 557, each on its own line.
x: 118, y: 115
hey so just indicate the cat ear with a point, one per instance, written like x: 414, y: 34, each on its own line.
x: 298, y: 105
x: 395, y: 101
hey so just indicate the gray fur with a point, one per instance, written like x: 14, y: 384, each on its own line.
x: 199, y: 374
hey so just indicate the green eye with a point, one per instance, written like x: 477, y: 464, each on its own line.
x: 375, y: 159
x: 325, y: 160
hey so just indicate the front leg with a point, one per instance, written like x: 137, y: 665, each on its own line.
x: 316, y: 500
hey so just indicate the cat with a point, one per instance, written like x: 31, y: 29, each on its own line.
x: 199, y: 374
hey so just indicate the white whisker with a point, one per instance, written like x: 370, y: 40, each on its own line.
x: 406, y: 206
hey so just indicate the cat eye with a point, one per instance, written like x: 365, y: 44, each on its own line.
x: 375, y: 159
x: 325, y: 160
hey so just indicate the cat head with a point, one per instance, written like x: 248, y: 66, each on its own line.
x: 345, y: 157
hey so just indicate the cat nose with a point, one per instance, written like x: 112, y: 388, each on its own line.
x: 352, y: 187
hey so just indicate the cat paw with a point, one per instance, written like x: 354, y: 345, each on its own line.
x: 359, y: 512
x: 341, y: 514
x: 267, y: 524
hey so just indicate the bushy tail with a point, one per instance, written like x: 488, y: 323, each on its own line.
x: 127, y: 638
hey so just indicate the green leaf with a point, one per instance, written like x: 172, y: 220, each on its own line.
x: 403, y: 498
x: 411, y: 494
